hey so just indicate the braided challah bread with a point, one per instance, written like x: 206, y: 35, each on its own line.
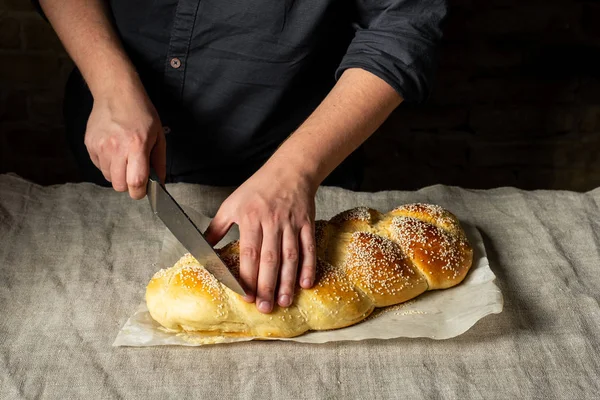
x: 365, y: 259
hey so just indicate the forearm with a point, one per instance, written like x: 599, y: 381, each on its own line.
x: 357, y: 105
x: 90, y: 39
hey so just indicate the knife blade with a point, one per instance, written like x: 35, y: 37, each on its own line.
x: 183, y: 228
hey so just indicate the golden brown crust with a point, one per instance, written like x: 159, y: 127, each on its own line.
x: 365, y: 259
x: 379, y: 268
x: 356, y: 219
x: 443, y: 258
x: 431, y: 213
x: 333, y: 302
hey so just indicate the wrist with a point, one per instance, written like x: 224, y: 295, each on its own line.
x: 114, y: 82
x: 296, y: 166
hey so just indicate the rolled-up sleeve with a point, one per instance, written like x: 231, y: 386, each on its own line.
x: 396, y: 40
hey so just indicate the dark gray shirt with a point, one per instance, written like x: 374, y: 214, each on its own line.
x: 232, y: 79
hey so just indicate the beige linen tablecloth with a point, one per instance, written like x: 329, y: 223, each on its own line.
x: 75, y: 259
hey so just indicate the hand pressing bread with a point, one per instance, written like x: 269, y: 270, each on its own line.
x: 365, y: 260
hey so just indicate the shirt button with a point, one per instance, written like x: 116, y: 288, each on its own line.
x: 166, y: 130
x: 175, y: 62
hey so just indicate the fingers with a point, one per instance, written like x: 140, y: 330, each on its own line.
x: 118, y: 168
x: 104, y: 166
x: 158, y: 156
x: 250, y: 244
x: 121, y: 134
x: 289, y: 267
x: 276, y: 225
x: 269, y: 268
x: 95, y: 160
x: 309, y: 257
x: 137, y: 170
x: 218, y: 227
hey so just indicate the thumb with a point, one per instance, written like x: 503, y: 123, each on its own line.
x: 158, y: 156
x: 218, y: 228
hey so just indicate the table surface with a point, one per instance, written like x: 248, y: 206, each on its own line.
x: 75, y: 259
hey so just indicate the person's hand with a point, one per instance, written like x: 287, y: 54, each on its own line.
x: 123, y: 133
x: 275, y: 212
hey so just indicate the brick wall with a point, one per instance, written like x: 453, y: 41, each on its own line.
x: 33, y: 70
x: 516, y: 101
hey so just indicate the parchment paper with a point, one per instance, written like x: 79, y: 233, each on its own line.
x: 441, y: 314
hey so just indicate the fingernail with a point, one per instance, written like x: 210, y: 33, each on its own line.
x: 306, y: 283
x: 249, y: 298
x: 264, y: 306
x: 284, y: 300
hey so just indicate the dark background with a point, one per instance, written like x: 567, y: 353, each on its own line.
x: 516, y: 102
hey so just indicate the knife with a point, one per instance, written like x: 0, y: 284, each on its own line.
x: 183, y: 228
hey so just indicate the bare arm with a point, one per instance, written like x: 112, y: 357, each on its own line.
x: 358, y: 104
x: 90, y: 39
x: 123, y: 128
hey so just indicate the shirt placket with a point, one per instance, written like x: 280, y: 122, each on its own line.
x: 176, y: 58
